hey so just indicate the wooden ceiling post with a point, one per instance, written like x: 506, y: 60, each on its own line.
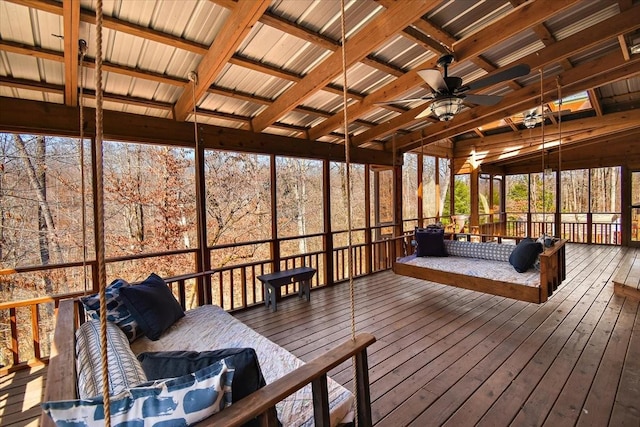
x: 71, y: 23
x: 419, y: 196
x: 327, y: 235
x: 474, y: 218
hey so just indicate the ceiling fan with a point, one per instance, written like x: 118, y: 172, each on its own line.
x: 448, y: 93
x: 534, y: 116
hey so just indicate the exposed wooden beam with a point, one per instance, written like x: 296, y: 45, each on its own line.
x: 583, y: 77
x: 311, y: 36
x: 34, y: 52
x: 411, y: 79
x: 233, y: 32
x: 56, y: 119
x: 624, y: 47
x: 89, y: 63
x: 71, y: 25
x: 522, y: 17
x: 523, y: 142
x: 379, y: 30
x: 419, y: 38
x: 510, y: 123
x: 115, y: 24
x: 595, y: 102
x: 613, y: 150
x: 575, y: 43
x: 31, y: 85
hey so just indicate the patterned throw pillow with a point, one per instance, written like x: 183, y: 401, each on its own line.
x: 124, y: 368
x: 178, y: 401
x: 117, y: 311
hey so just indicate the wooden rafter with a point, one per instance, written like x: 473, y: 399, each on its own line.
x: 232, y: 33
x: 54, y: 119
x: 468, y: 50
x: 71, y: 23
x: 576, y: 43
x: 380, y: 29
x: 595, y: 102
x: 573, y: 131
x: 583, y: 77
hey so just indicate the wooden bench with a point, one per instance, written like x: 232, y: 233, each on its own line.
x: 271, y: 284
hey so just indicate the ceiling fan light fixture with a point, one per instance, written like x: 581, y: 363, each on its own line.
x: 530, y: 122
x: 446, y: 108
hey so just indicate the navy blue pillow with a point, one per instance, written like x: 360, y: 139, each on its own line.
x: 166, y: 364
x: 247, y: 377
x: 152, y: 305
x: 524, y: 255
x: 430, y: 242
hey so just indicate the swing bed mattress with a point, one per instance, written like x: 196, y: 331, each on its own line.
x: 210, y: 327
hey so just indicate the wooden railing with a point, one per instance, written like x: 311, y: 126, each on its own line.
x: 26, y: 326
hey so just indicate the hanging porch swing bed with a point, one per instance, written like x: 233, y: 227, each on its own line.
x: 146, y: 375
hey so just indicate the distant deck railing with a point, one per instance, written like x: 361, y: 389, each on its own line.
x: 26, y: 326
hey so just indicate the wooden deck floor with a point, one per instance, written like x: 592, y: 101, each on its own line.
x: 448, y: 356
x: 626, y: 281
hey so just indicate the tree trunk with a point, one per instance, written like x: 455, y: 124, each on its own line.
x: 37, y: 178
x: 300, y: 189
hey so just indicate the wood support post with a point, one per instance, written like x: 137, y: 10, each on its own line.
x: 420, y: 195
x: 367, y: 219
x: 437, y: 189
x: 397, y: 205
x: 327, y: 236
x: 474, y: 219
x: 557, y: 218
x: 203, y: 260
x: 275, y: 243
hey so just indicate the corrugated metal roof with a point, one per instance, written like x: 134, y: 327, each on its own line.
x: 268, y: 48
x: 461, y: 18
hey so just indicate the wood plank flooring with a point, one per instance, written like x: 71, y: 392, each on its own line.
x: 626, y: 281
x: 20, y: 395
x: 449, y: 356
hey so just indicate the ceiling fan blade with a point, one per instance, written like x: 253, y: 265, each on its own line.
x: 397, y: 101
x: 482, y: 99
x: 425, y: 113
x: 508, y: 74
x: 434, y: 80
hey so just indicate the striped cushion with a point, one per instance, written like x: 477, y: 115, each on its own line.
x: 124, y: 368
x: 176, y: 402
x: 489, y: 251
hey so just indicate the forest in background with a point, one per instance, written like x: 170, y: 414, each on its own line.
x: 150, y: 206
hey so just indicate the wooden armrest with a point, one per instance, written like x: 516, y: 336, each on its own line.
x: 61, y: 373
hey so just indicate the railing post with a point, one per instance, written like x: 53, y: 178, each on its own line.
x: 320, y: 393
x: 13, y: 318
x: 362, y: 384
x: 589, y: 227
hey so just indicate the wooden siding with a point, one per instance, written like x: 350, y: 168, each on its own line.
x: 450, y: 356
